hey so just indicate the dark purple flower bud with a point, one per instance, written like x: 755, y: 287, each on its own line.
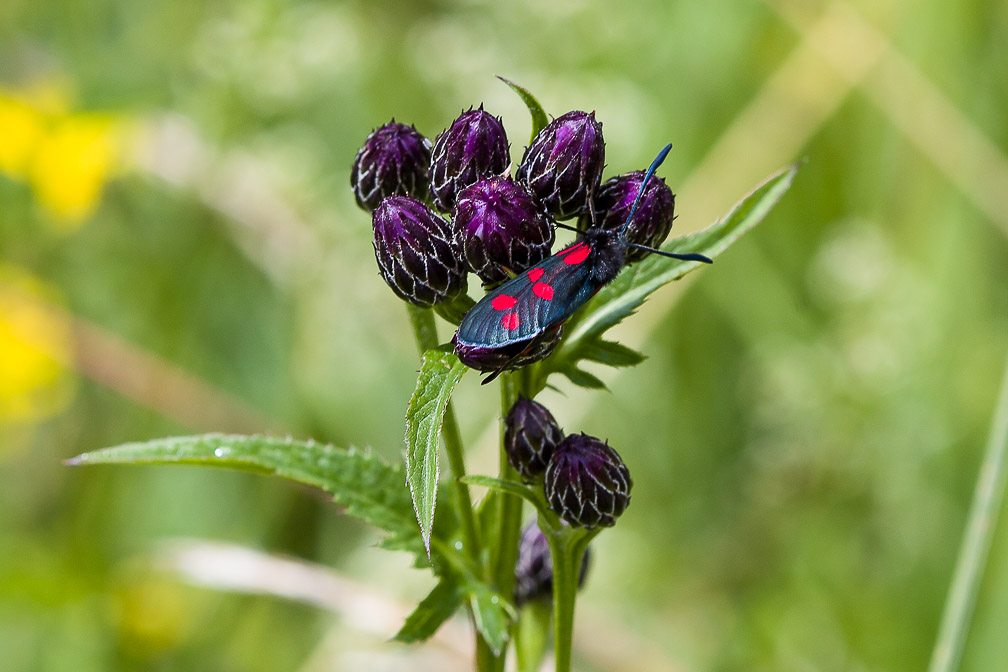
x: 534, y: 569
x: 394, y: 161
x: 473, y: 147
x: 530, y: 437
x: 415, y: 251
x: 653, y: 219
x: 514, y: 356
x: 587, y: 483
x: 562, y: 168
x: 500, y: 229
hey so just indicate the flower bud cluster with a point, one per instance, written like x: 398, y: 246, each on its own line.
x: 491, y: 224
x: 585, y: 481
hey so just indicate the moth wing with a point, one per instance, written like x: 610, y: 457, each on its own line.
x: 528, y: 304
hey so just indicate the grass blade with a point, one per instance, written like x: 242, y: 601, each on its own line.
x: 973, y: 551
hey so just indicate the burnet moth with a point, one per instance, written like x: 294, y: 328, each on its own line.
x: 520, y: 321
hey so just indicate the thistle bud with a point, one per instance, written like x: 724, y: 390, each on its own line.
x: 587, y: 483
x: 497, y: 358
x: 652, y: 220
x: 415, y: 252
x: 394, y: 161
x: 473, y: 147
x: 499, y: 228
x: 530, y: 437
x: 534, y: 569
x: 562, y: 168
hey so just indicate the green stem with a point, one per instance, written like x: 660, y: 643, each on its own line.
x: 456, y: 462
x: 976, y: 543
x: 511, y: 505
x: 486, y: 661
x: 567, y: 548
x: 424, y: 327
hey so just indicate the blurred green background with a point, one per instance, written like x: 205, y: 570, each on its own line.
x: 180, y: 253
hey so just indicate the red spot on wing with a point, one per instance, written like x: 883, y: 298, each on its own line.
x: 575, y: 246
x: 534, y: 274
x: 577, y: 256
x: 510, y: 321
x: 503, y: 302
x: 542, y: 290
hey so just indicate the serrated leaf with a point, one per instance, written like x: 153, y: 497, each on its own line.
x: 366, y: 485
x: 539, y: 118
x: 623, y: 296
x: 439, y: 605
x: 492, y: 615
x: 440, y: 372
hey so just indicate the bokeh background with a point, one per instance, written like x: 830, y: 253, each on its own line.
x: 180, y: 253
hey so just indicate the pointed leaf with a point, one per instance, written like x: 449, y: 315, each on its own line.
x: 492, y: 615
x: 440, y: 372
x: 539, y: 118
x: 610, y: 353
x: 582, y: 378
x: 439, y: 605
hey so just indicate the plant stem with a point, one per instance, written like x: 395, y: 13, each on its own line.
x: 486, y: 661
x: 567, y: 548
x: 456, y: 462
x: 976, y: 543
x: 511, y: 506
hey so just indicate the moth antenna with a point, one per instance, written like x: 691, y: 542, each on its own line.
x: 566, y: 226
x: 658, y: 160
x: 687, y: 256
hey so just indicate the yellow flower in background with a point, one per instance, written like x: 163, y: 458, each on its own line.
x: 35, y: 345
x: 22, y: 127
x: 66, y: 157
x: 73, y: 160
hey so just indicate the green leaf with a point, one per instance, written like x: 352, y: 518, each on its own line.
x: 366, y: 485
x: 539, y: 118
x: 440, y: 372
x: 582, y: 378
x: 433, y: 610
x: 492, y: 615
x: 624, y: 295
x: 610, y: 353
x: 510, y: 487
